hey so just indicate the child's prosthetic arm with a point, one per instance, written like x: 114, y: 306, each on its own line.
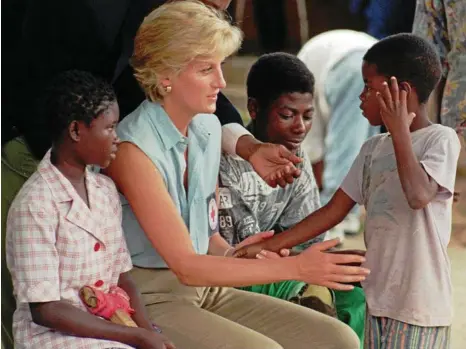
x: 113, y: 306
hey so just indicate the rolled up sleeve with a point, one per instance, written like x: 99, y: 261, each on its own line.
x: 231, y: 133
x: 31, y: 253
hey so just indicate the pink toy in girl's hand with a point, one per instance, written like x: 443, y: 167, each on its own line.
x: 113, y: 306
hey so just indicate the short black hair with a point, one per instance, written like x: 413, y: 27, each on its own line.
x: 274, y: 74
x: 73, y: 96
x: 409, y: 58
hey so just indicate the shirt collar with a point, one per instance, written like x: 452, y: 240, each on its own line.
x: 60, y: 186
x: 199, y: 129
x: 164, y: 126
x: 168, y: 132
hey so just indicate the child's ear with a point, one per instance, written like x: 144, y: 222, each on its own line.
x: 73, y: 131
x: 406, y: 86
x: 253, y: 108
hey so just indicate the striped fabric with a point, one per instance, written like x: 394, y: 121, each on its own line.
x: 386, y: 333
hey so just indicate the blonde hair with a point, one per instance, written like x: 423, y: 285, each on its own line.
x: 173, y: 35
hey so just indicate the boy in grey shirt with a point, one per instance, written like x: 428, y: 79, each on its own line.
x: 280, y: 90
x: 405, y: 179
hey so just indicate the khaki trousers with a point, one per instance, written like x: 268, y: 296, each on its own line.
x: 227, y: 318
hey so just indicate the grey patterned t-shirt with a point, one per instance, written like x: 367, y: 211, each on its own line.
x: 407, y: 248
x: 247, y: 205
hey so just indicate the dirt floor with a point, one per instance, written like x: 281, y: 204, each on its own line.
x: 457, y: 252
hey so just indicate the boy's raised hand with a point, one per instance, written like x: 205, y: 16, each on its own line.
x: 394, y: 107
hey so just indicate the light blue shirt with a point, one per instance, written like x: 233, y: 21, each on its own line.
x: 151, y: 129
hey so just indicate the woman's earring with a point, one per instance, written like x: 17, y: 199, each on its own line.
x: 167, y: 89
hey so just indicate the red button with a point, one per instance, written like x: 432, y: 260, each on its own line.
x: 99, y: 283
x: 96, y: 247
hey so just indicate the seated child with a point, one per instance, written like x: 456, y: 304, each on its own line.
x: 280, y: 92
x: 405, y: 180
x: 64, y: 229
x: 17, y: 166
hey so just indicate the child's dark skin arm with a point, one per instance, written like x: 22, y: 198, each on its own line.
x: 64, y: 317
x: 140, y: 316
x: 313, y: 225
x: 418, y: 187
x: 318, y: 169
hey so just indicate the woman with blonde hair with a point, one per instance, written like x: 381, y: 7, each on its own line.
x: 167, y: 167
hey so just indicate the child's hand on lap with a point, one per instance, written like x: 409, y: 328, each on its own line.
x: 153, y: 340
